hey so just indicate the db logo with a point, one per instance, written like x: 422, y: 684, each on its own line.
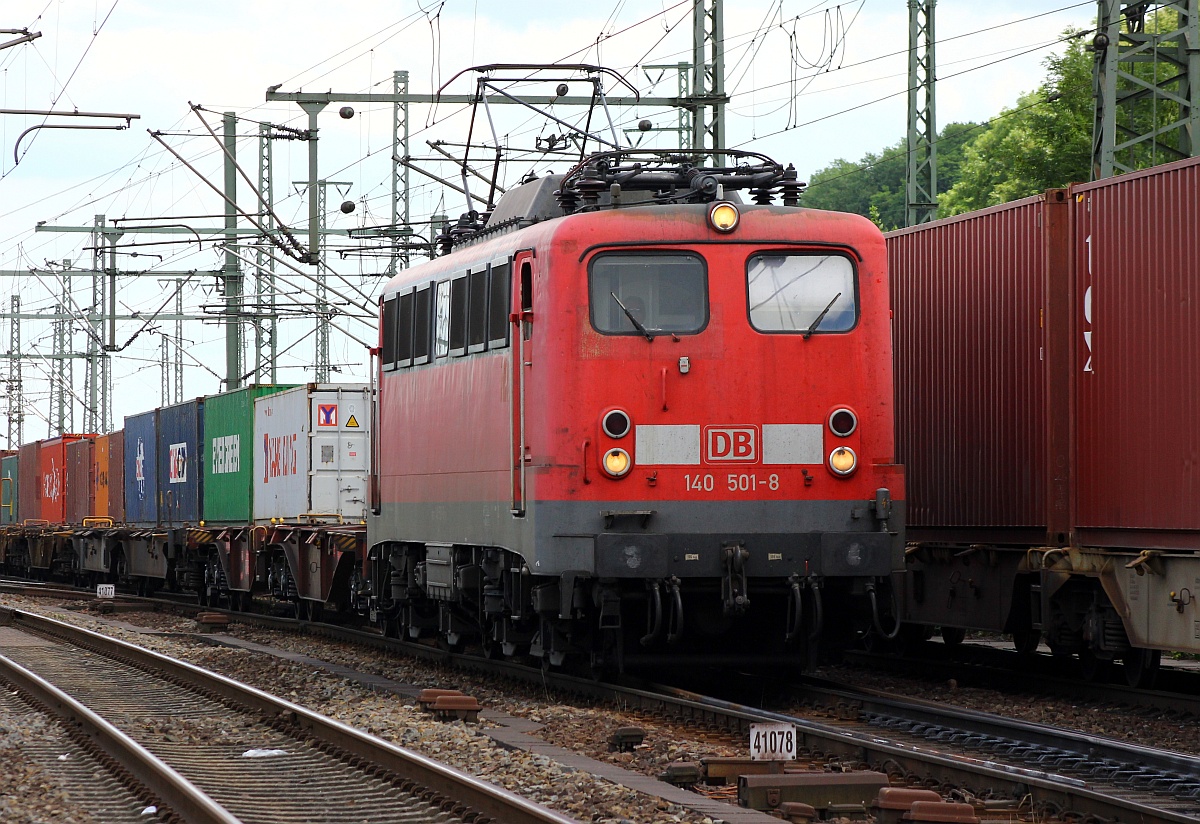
x: 731, y: 444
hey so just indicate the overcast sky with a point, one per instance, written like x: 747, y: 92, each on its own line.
x: 810, y: 82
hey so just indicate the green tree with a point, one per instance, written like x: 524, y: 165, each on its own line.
x: 1044, y: 142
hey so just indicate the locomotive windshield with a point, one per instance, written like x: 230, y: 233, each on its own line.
x: 648, y: 293
x: 801, y: 293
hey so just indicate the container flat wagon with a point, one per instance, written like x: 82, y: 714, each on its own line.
x: 1048, y: 404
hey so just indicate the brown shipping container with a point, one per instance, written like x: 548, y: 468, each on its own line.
x: 107, y: 455
x: 1136, y: 366
x: 29, y: 481
x: 81, y: 482
x: 975, y: 300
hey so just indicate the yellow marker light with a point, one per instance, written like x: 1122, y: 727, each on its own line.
x: 843, y: 461
x: 617, y: 462
x: 723, y: 217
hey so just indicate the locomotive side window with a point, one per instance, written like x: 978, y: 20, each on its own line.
x: 477, y: 320
x: 498, y: 305
x: 422, y: 305
x: 458, y: 316
x: 404, y: 329
x: 802, y: 293
x: 441, y: 320
x: 387, y: 343
x: 648, y: 293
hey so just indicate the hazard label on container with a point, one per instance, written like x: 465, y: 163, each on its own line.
x: 327, y: 414
x: 352, y: 423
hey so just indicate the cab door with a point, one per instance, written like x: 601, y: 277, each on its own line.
x: 522, y: 361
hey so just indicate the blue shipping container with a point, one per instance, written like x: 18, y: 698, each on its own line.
x: 180, y: 470
x: 141, y: 469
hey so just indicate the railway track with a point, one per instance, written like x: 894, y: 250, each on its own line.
x: 914, y: 742
x: 212, y: 750
x: 1159, y: 778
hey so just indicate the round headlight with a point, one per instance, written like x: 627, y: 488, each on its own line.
x: 615, y: 424
x: 843, y: 461
x: 723, y: 217
x: 617, y: 462
x: 843, y: 422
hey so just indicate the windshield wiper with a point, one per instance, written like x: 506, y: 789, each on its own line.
x: 637, y: 323
x: 817, y: 322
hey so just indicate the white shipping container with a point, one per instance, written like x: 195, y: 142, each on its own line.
x: 312, y: 454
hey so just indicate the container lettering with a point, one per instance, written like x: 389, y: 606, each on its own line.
x: 226, y: 454
x: 280, y: 454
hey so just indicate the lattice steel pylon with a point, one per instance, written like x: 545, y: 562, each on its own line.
x: 16, y: 398
x: 921, y: 176
x: 401, y: 198
x: 62, y: 409
x: 708, y: 77
x: 321, y: 364
x: 265, y: 317
x: 1146, y: 83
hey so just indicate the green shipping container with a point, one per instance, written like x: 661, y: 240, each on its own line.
x: 229, y: 454
x: 8, y: 488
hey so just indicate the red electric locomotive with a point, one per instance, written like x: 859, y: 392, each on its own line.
x: 626, y: 413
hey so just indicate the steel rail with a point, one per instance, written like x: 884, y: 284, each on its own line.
x: 176, y: 793
x: 888, y: 706
x: 477, y: 795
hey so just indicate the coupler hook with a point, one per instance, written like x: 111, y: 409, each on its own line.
x: 870, y: 588
x: 654, y: 615
x: 795, y: 613
x: 818, y: 626
x: 675, y: 620
x: 733, y: 582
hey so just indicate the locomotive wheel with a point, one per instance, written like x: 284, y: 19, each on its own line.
x: 953, y: 636
x: 1141, y: 667
x: 1026, y: 640
x: 1093, y: 668
x: 492, y: 648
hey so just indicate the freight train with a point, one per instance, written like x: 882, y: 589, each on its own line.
x: 262, y: 489
x: 1048, y: 416
x: 625, y: 414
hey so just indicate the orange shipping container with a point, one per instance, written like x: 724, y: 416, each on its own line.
x: 108, y: 475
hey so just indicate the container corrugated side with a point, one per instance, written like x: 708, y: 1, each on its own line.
x: 29, y: 495
x: 81, y: 482
x: 10, y: 510
x: 100, y: 460
x: 312, y: 457
x: 969, y: 295
x: 141, y: 469
x: 180, y: 462
x: 55, y: 489
x: 229, y: 464
x: 1137, y: 358
x: 116, y: 476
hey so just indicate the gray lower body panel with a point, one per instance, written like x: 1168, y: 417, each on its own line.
x: 651, y: 539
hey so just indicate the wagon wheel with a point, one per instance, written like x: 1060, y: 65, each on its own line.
x: 1026, y: 640
x: 1141, y: 667
x: 953, y: 636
